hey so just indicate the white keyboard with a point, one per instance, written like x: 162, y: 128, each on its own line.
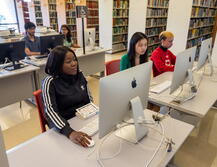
x: 91, y: 128
x: 160, y: 87
x: 87, y: 111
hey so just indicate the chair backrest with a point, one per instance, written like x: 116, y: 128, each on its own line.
x: 112, y: 66
x: 40, y: 107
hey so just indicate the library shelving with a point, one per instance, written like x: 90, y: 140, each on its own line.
x: 202, y: 21
x: 120, y: 25
x: 38, y: 13
x: 52, y: 9
x: 70, y: 13
x: 25, y: 12
x: 93, y: 17
x: 156, y: 22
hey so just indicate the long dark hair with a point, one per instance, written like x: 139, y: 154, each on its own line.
x: 56, y: 59
x: 69, y: 34
x: 132, y: 52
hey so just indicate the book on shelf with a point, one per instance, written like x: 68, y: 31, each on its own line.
x: 158, y: 3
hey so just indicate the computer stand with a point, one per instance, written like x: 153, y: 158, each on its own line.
x: 193, y: 90
x: 135, y: 131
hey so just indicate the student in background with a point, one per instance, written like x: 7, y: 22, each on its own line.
x: 68, y: 41
x: 64, y: 90
x: 32, y: 43
x: 137, y: 53
x: 163, y: 59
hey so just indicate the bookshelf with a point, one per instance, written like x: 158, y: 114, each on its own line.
x: 70, y: 13
x: 38, y: 13
x: 156, y: 22
x: 120, y: 25
x: 52, y: 9
x: 202, y: 21
x: 93, y: 17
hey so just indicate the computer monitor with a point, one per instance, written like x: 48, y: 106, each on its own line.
x: 183, y: 67
x: 205, y: 50
x: 14, y: 51
x: 49, y: 42
x: 3, y: 156
x: 90, y: 34
x: 117, y: 91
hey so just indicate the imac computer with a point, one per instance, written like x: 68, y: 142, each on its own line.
x: 124, y: 95
x: 90, y: 34
x: 183, y: 70
x: 49, y: 42
x: 3, y: 155
x: 14, y: 52
x: 205, y: 53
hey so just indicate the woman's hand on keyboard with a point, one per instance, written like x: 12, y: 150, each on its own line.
x: 80, y: 138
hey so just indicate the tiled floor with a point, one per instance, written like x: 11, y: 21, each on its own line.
x: 199, y: 150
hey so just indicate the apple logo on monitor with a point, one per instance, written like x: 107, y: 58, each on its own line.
x: 133, y: 83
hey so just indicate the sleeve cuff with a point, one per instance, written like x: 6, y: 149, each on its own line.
x: 67, y: 130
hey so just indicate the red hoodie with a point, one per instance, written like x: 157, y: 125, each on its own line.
x: 163, y: 61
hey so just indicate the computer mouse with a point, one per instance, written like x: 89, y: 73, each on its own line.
x: 91, y: 141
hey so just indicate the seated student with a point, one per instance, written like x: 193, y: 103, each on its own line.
x: 137, y: 53
x: 64, y: 90
x: 68, y: 41
x: 163, y: 59
x: 32, y: 43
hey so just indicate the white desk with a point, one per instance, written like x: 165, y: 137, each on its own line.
x: 52, y: 149
x: 17, y: 85
x: 90, y: 63
x: 198, y: 106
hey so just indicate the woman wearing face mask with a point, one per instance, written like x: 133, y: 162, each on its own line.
x: 64, y: 90
x: 137, y: 53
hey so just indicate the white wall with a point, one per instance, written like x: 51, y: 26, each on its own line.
x: 61, y: 13
x: 45, y: 13
x: 137, y: 17
x: 32, y: 12
x: 178, y: 23
x: 214, y: 52
x: 105, y: 22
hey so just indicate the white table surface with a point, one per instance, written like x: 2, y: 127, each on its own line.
x: 51, y: 149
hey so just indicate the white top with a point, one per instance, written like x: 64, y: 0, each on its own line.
x: 52, y: 149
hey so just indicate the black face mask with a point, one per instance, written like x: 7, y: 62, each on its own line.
x: 163, y: 48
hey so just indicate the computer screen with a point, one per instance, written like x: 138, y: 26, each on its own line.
x: 3, y: 156
x: 184, y: 62
x: 14, y: 51
x: 206, y: 47
x: 90, y: 34
x: 116, y: 92
x: 50, y: 42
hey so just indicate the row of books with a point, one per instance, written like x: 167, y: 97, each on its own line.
x: 119, y: 22
x: 119, y: 47
x: 155, y: 22
x: 93, y: 21
x: 52, y: 1
x: 70, y: 6
x: 37, y: 2
x: 202, y: 12
x: 123, y: 13
x: 53, y: 21
x: 52, y: 7
x: 120, y: 30
x: 157, y: 12
x: 70, y: 1
x: 92, y: 4
x: 92, y: 13
x: 38, y: 14
x: 197, y: 41
x: 161, y: 3
x: 122, y: 38
x: 70, y: 14
x: 37, y: 8
x: 154, y: 31
x: 199, y: 32
x: 208, y: 3
x: 201, y: 22
x: 70, y: 21
x: 53, y: 14
x: 121, y: 3
x: 153, y: 40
